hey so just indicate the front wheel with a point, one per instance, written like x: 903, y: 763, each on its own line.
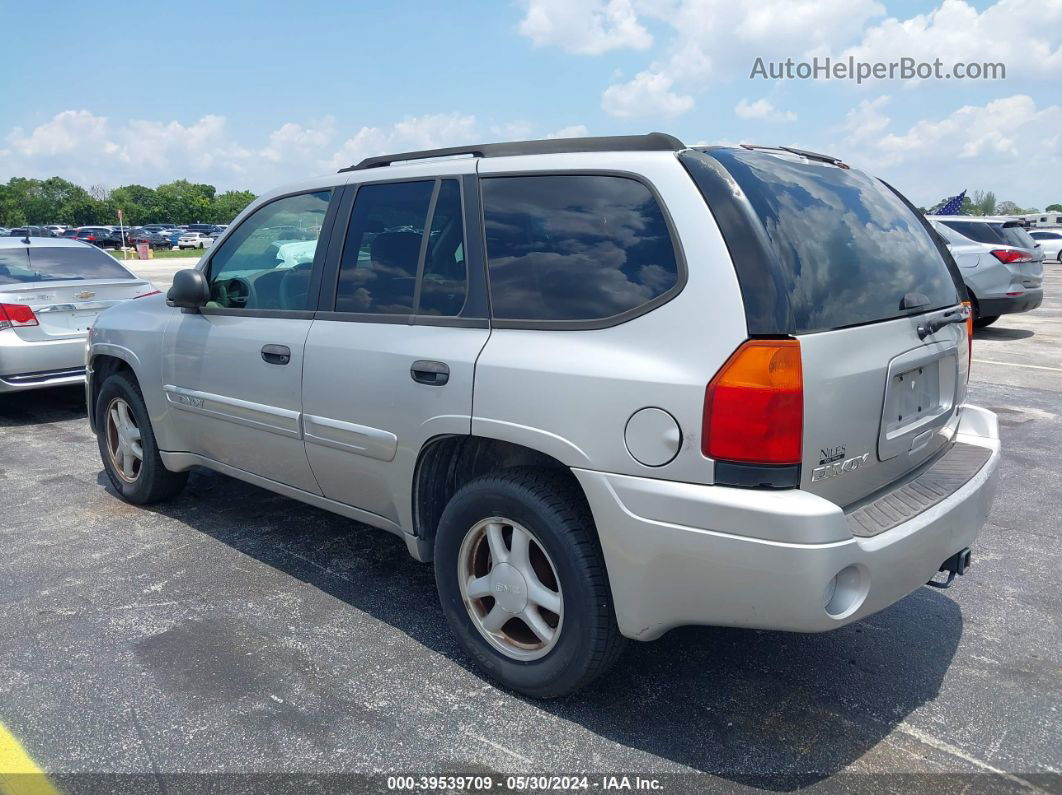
x: 523, y: 583
x: 127, y: 445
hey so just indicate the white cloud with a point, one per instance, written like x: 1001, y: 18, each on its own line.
x: 648, y: 94
x: 411, y: 134
x: 572, y: 131
x: 1022, y: 34
x: 90, y: 149
x: 587, y: 27
x: 1008, y: 145
x: 720, y: 39
x: 867, y: 119
x: 762, y: 110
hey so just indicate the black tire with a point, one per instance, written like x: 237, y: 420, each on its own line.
x: 985, y: 320
x: 154, y: 483
x: 555, y: 511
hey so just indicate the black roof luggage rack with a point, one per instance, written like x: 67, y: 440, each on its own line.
x: 653, y: 142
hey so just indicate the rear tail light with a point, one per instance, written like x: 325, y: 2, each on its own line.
x: 16, y: 315
x: 967, y: 308
x: 754, y: 406
x: 1010, y: 255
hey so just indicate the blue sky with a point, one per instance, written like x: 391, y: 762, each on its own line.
x: 248, y: 94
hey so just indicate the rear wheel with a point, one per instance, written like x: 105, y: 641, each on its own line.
x: 985, y: 320
x: 127, y: 445
x: 523, y: 584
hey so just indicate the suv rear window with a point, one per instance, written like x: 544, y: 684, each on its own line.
x: 1015, y: 235
x: 575, y: 247
x: 841, y: 248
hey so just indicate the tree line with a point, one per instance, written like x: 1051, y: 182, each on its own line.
x: 59, y: 201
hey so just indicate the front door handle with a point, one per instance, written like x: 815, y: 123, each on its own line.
x: 276, y: 354
x: 430, y: 373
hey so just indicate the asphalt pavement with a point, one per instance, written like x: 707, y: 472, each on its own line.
x: 233, y: 631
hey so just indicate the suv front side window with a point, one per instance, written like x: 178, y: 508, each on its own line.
x: 266, y: 262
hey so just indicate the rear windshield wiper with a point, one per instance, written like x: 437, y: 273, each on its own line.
x: 931, y: 327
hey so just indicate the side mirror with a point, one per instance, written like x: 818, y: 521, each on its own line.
x: 189, y: 290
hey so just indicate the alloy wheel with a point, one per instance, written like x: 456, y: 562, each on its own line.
x: 510, y: 588
x: 124, y: 444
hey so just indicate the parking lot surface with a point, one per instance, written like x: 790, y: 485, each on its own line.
x: 236, y: 631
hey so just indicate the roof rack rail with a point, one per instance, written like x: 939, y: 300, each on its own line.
x: 652, y: 142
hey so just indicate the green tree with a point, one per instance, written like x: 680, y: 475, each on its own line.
x: 141, y: 205
x: 1053, y: 208
x: 184, y: 202
x: 984, y: 203
x: 230, y: 204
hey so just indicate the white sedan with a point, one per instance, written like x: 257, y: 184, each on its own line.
x: 193, y: 240
x: 1050, y: 241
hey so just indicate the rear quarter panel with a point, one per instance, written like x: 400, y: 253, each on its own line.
x: 570, y: 394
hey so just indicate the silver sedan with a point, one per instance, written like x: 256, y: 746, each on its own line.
x: 51, y: 291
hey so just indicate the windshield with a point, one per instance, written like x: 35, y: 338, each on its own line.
x: 43, y: 263
x: 843, y: 248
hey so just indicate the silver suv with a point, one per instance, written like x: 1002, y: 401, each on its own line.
x: 610, y: 386
x: 1001, y: 264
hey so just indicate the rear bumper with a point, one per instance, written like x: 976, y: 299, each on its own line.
x: 34, y: 365
x: 680, y: 554
x: 1029, y: 300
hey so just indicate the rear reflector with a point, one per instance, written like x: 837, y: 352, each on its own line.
x: 967, y: 308
x: 754, y: 406
x: 16, y: 315
x: 145, y: 295
x: 1010, y: 255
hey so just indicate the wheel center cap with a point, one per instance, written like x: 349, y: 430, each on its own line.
x: 508, y: 587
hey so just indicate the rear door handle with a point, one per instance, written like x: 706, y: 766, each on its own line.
x: 276, y: 354
x: 429, y: 372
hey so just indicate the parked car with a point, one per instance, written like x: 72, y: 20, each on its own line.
x: 1000, y: 264
x: 609, y: 386
x: 51, y: 291
x: 155, y: 240
x: 203, y: 228
x: 1050, y: 242
x: 69, y: 233
x: 218, y: 231
x: 56, y: 229
x: 30, y: 231
x: 99, y: 236
x: 194, y: 240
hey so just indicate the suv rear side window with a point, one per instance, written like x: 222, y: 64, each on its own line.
x: 976, y: 230
x: 842, y: 248
x: 575, y: 247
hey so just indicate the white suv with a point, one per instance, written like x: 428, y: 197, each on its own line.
x: 610, y: 386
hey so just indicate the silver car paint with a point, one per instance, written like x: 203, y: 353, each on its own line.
x: 847, y: 385
x: 681, y: 554
x: 576, y: 408
x: 568, y: 394
x: 985, y: 275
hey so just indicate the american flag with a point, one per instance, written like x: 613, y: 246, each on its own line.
x: 951, y: 206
